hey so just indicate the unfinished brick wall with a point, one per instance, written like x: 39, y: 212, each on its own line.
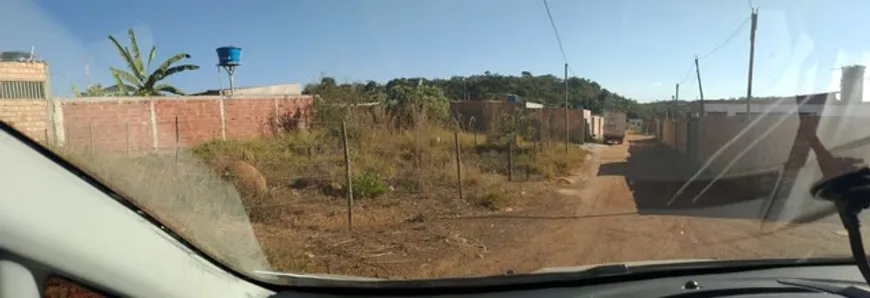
x: 105, y: 124
x: 23, y: 71
x: 138, y: 124
x: 142, y: 124
x: 199, y: 120
x: 28, y: 116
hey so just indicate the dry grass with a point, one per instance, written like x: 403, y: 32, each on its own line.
x: 400, y: 176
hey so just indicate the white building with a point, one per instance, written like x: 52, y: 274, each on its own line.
x: 848, y: 102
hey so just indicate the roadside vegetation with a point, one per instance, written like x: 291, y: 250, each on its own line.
x: 407, y: 157
x: 403, y: 171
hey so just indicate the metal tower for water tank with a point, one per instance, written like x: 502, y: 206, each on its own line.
x: 229, y: 58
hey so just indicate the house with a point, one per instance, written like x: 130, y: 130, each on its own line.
x: 283, y: 89
x: 513, y: 98
x: 810, y: 104
x: 848, y: 101
x: 23, y: 78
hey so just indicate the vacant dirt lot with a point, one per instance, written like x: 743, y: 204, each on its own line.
x: 612, y: 210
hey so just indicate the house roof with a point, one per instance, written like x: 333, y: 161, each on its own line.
x: 283, y: 89
x: 812, y: 99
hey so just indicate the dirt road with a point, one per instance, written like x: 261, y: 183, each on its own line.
x: 618, y: 213
x: 615, y: 209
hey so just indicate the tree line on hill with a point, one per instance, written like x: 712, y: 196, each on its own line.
x: 547, y: 89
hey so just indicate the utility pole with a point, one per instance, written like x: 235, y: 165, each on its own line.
x: 700, y: 88
x: 751, y: 61
x: 464, y: 89
x: 676, y: 101
x: 567, y: 123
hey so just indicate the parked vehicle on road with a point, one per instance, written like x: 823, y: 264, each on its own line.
x: 615, y: 124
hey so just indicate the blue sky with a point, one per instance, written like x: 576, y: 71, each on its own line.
x: 639, y: 48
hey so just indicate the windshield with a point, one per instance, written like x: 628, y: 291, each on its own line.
x: 433, y: 139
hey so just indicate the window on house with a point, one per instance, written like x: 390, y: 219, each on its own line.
x: 21, y: 90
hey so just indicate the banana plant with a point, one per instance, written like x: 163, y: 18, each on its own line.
x: 138, y: 79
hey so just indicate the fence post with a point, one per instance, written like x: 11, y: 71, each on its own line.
x: 347, y: 176
x: 472, y: 129
x: 540, y: 128
x: 67, y: 138
x: 528, y: 167
x: 91, y: 137
x: 177, y: 139
x: 510, y: 164
x: 458, y: 163
x: 276, y: 123
x: 127, y: 128
x: 223, y: 118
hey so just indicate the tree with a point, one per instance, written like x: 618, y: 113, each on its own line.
x: 407, y: 104
x: 92, y: 91
x: 138, y: 79
x: 546, y: 89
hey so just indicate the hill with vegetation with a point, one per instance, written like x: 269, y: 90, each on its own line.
x: 546, y: 89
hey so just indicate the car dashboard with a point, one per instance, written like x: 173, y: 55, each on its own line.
x: 801, y: 281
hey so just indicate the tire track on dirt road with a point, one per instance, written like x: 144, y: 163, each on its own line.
x: 575, y: 238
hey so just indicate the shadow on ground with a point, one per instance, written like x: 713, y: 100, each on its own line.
x: 508, y: 216
x: 655, y: 173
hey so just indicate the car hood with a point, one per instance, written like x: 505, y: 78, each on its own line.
x: 317, y: 276
x: 627, y: 264
x: 544, y: 270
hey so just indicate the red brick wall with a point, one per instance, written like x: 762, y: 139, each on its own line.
x: 255, y: 118
x: 109, y: 123
x: 554, y: 124
x: 104, y: 124
x: 198, y: 121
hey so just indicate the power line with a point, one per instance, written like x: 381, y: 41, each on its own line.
x: 714, y: 51
x: 727, y: 41
x: 556, y: 31
x: 688, y: 73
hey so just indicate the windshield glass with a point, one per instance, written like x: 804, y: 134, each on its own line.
x: 432, y: 139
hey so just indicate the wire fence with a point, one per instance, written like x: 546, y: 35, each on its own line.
x: 358, y: 157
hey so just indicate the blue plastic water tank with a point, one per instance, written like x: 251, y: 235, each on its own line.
x: 228, y: 56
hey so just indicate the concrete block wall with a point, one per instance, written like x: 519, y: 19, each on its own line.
x: 764, y: 146
x: 23, y: 71
x: 149, y: 123
x: 28, y: 116
x: 668, y: 133
x: 595, y: 125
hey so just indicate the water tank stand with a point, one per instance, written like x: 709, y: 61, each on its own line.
x: 231, y: 71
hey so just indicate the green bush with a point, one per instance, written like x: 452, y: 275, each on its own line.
x: 367, y: 185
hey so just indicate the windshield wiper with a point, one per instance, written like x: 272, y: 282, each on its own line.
x: 605, y: 270
x: 842, y: 288
x: 548, y: 277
